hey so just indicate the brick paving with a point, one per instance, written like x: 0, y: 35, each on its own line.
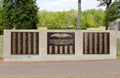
x: 79, y: 69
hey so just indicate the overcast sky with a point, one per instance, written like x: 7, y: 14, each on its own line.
x: 61, y: 5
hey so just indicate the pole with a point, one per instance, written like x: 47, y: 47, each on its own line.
x: 79, y: 14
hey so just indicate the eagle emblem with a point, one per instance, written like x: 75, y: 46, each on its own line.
x: 61, y: 35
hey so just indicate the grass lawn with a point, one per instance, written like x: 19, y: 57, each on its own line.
x: 99, y: 28
x: 118, y: 48
x: 1, y: 47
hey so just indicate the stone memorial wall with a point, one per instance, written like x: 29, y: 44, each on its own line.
x: 58, y: 45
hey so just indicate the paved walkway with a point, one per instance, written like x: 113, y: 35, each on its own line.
x: 80, y: 69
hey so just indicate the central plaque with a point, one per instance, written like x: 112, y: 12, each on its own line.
x: 61, y: 43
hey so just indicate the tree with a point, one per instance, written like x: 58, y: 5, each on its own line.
x: 58, y: 20
x: 107, y: 3
x: 104, y: 2
x: 93, y: 18
x: 68, y: 19
x: 113, y: 12
x: 1, y: 22
x: 1, y: 3
x: 20, y: 14
x: 99, y: 17
x: 72, y: 17
x: 1, y: 18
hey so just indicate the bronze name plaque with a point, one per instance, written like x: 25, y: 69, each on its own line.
x: 96, y: 43
x: 24, y: 43
x: 61, y: 42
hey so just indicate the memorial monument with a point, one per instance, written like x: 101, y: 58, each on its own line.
x: 58, y: 45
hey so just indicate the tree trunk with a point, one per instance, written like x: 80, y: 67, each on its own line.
x: 79, y: 13
x: 106, y: 18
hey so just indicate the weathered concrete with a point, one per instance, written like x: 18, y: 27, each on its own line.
x: 43, y: 56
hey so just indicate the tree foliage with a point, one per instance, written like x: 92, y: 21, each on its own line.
x: 113, y: 12
x: 1, y: 3
x: 1, y: 18
x: 104, y: 2
x: 20, y: 14
x: 65, y: 19
x: 57, y: 20
x: 93, y: 18
x: 107, y: 4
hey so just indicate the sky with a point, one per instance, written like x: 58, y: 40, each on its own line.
x: 63, y: 5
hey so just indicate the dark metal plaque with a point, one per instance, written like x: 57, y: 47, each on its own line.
x: 61, y: 42
x: 24, y: 43
x: 96, y: 43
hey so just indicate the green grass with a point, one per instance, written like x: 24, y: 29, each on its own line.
x: 42, y: 28
x: 118, y: 48
x: 1, y: 46
x: 99, y: 28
